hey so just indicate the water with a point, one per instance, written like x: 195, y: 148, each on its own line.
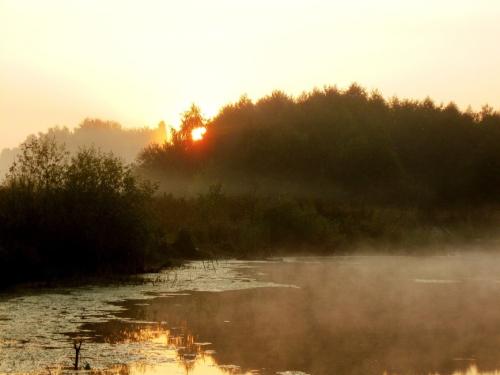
x: 337, y: 315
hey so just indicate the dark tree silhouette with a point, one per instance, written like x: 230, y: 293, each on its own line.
x: 350, y: 144
x: 85, y: 214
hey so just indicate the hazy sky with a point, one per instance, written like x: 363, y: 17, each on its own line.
x: 138, y: 62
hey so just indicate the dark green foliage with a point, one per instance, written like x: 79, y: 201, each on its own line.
x: 323, y: 173
x: 329, y: 170
x: 61, y: 216
x: 184, y: 245
x: 288, y: 222
x: 252, y: 225
x: 344, y: 145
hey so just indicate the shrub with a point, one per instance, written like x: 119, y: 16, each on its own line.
x: 62, y: 215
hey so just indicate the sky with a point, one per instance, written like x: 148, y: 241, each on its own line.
x: 143, y: 61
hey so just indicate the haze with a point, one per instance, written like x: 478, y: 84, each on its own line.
x: 139, y: 62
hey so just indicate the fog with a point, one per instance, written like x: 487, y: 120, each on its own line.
x: 341, y: 315
x: 125, y: 143
x: 394, y: 315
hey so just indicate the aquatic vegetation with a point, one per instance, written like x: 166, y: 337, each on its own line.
x: 27, y: 346
x: 358, y: 315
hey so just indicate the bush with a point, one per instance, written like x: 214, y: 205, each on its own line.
x: 62, y: 215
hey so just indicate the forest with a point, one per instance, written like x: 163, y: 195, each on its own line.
x: 331, y: 171
x: 348, y: 145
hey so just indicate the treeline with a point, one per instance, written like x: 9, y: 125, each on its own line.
x: 108, y: 136
x: 346, y: 145
x: 329, y: 172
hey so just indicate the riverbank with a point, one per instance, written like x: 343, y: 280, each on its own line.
x: 253, y: 226
x: 89, y: 215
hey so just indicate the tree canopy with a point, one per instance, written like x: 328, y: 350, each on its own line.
x: 346, y: 143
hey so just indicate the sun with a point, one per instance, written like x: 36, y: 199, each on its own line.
x: 198, y: 133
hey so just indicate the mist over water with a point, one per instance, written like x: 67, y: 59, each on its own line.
x: 318, y: 224
x: 334, y: 315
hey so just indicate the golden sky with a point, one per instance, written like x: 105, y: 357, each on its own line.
x: 139, y: 62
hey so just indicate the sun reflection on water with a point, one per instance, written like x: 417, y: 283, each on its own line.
x: 332, y: 324
x: 182, y: 354
x: 472, y: 370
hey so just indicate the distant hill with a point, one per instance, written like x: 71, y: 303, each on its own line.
x: 105, y: 135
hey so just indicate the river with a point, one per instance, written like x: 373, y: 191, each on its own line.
x: 384, y: 315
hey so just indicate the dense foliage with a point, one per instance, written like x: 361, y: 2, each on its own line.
x: 254, y: 225
x: 63, y: 215
x: 344, y: 145
x: 330, y: 171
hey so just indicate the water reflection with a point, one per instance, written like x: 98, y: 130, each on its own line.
x: 371, y: 316
x: 354, y: 316
x: 474, y: 371
x: 180, y: 352
x: 35, y: 323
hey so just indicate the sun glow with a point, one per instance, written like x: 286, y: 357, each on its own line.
x: 198, y: 133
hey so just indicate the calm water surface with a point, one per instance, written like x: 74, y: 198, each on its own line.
x: 337, y: 315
